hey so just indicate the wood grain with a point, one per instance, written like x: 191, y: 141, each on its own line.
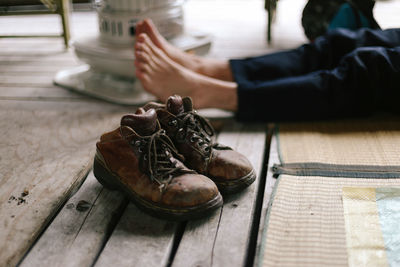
x: 196, y: 246
x: 76, y: 235
x: 270, y: 184
x: 139, y: 240
x: 222, y: 240
x: 35, y: 80
x: 46, y: 150
x: 40, y: 92
x: 48, y: 140
x: 234, y: 231
x: 29, y: 69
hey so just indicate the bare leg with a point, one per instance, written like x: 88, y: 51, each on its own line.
x: 219, y: 69
x: 162, y: 76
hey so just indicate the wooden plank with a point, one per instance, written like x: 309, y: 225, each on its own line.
x: 270, y: 184
x: 48, y: 92
x: 77, y: 234
x: 46, y: 78
x: 61, y: 64
x: 196, y: 246
x: 48, y: 99
x: 54, y: 47
x: 223, y: 239
x: 41, y: 48
x: 29, y: 69
x: 35, y: 71
x: 32, y: 42
x: 238, y: 212
x: 152, y: 238
x: 46, y: 151
x: 47, y: 54
x: 56, y: 59
x: 25, y: 56
x: 56, y: 62
x: 139, y: 240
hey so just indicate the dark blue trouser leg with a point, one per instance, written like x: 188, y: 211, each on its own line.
x: 365, y: 80
x: 324, y: 53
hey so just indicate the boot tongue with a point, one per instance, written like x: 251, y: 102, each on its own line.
x: 175, y: 105
x: 142, y: 122
x: 187, y: 103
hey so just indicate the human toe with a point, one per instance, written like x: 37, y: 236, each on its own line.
x: 141, y: 56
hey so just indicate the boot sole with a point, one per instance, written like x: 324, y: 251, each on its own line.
x: 234, y: 186
x: 112, y: 182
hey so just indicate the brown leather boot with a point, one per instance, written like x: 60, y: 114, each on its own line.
x: 192, y: 135
x: 139, y: 159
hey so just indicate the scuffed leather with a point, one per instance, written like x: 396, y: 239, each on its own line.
x: 122, y: 159
x: 220, y: 164
x: 145, y: 123
x: 194, y: 157
x: 228, y: 165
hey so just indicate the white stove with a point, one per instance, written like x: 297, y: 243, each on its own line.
x: 109, y: 71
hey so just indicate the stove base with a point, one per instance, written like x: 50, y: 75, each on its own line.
x: 113, y: 89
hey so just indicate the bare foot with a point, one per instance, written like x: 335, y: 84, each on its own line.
x: 163, y: 77
x: 219, y: 69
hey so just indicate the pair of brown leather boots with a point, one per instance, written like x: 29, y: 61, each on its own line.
x: 163, y: 157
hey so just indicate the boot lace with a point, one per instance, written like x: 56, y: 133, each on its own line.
x: 159, y: 159
x: 200, y: 129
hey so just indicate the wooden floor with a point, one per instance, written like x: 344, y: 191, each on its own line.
x: 52, y: 210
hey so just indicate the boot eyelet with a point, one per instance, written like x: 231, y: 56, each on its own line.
x: 180, y: 134
x: 173, y: 123
x: 140, y: 149
x: 138, y: 143
x: 207, y: 149
x: 145, y: 157
x: 192, y: 139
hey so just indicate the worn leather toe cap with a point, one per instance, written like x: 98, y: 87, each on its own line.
x: 228, y: 165
x: 189, y: 190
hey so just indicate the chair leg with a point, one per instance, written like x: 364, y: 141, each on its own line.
x: 269, y: 9
x: 270, y: 6
x: 64, y: 12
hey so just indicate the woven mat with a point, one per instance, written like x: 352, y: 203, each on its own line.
x: 368, y: 142
x: 306, y: 226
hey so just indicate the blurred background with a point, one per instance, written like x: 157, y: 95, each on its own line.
x: 240, y: 26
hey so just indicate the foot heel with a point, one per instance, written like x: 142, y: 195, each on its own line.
x: 103, y: 175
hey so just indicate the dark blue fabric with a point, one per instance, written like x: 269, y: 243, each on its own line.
x: 341, y: 74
